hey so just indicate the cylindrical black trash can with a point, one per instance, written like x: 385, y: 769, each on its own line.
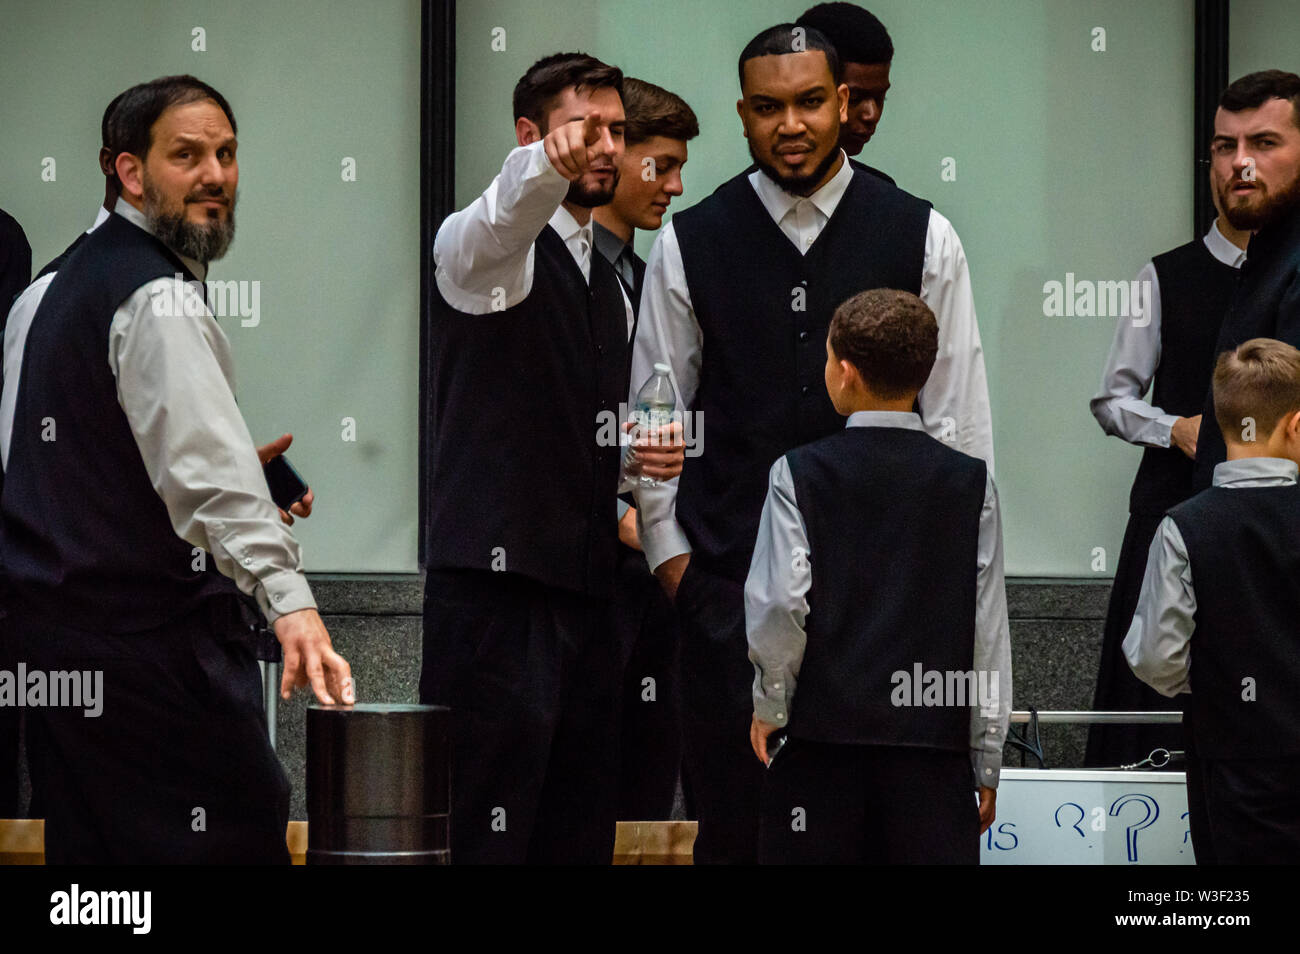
x: 378, y: 784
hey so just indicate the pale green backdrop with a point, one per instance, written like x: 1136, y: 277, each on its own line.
x: 310, y: 83
x: 1068, y: 160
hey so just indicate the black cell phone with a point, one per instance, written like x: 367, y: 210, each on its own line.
x: 286, y: 484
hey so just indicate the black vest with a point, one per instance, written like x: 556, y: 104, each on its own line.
x: 525, y: 405
x: 1243, y: 546
x: 57, y: 262
x: 893, y: 536
x: 1263, y: 306
x: 86, y: 538
x: 1195, y: 289
x: 764, y: 311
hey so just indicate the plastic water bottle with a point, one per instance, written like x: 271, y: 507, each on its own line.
x: 655, y: 403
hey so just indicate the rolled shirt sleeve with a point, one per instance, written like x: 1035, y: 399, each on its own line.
x: 776, y: 599
x: 175, y: 383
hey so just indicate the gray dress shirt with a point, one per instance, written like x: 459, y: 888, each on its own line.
x: 1135, y: 355
x: 776, y: 606
x: 1158, y: 644
x: 175, y: 383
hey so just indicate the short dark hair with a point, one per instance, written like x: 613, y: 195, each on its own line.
x: 1254, y: 89
x: 105, y: 140
x: 545, y: 80
x: 130, y: 124
x: 1260, y: 380
x: 780, y: 39
x: 890, y: 336
x: 653, y: 111
x: 858, y: 36
x: 103, y: 123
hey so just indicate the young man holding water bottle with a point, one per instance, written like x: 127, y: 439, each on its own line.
x: 659, y: 124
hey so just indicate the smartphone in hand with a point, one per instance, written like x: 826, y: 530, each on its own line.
x: 286, y: 484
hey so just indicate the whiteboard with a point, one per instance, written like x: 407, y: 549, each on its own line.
x: 1079, y: 817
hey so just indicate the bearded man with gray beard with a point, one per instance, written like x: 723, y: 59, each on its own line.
x: 135, y: 512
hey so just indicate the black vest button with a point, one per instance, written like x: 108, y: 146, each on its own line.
x: 803, y: 336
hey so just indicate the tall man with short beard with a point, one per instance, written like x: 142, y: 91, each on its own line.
x: 739, y: 293
x: 135, y: 511
x: 1256, y: 157
x: 530, y: 337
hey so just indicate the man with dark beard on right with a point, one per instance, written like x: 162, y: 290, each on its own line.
x: 1256, y: 155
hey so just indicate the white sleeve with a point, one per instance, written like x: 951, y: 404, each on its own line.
x: 955, y: 400
x: 174, y: 382
x: 483, y: 254
x: 1130, y: 368
x: 667, y: 332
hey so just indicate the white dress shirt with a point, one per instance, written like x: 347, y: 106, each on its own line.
x: 776, y: 605
x: 955, y: 395
x: 1135, y: 355
x: 175, y: 384
x: 1159, y: 641
x: 483, y: 254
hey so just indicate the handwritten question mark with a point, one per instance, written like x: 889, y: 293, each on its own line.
x: 1130, y: 834
x: 1075, y: 826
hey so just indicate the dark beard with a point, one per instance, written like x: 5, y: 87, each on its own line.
x: 1274, y: 208
x: 580, y: 195
x: 795, y: 185
x: 203, y: 243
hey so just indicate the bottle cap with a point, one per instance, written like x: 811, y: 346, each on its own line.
x: 662, y: 368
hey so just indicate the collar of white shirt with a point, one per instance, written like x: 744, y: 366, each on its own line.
x: 1222, y: 249
x: 908, y: 420
x: 779, y: 203
x: 137, y: 218
x: 101, y: 216
x: 1255, y: 472
x: 574, y: 236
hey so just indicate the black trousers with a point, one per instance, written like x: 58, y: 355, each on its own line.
x: 1117, y: 687
x: 177, y: 768
x: 826, y: 803
x: 726, y: 778
x: 530, y: 672
x: 1252, y: 807
x: 651, y: 711
x: 1197, y: 811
